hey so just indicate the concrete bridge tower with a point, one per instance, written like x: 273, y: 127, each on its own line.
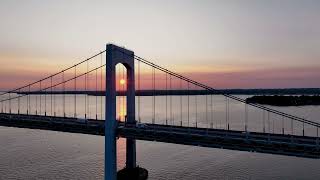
x: 115, y: 55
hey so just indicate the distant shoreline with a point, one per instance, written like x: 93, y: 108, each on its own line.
x: 296, y: 91
x: 277, y: 100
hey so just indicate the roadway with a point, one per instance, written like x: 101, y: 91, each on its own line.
x: 282, y: 144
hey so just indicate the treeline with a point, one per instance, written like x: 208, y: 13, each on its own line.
x: 277, y: 100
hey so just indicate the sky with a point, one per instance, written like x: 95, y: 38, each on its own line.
x: 226, y: 44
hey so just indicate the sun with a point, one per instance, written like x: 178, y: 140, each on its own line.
x: 122, y: 81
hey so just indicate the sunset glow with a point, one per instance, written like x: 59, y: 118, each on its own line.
x: 122, y: 82
x: 223, y: 46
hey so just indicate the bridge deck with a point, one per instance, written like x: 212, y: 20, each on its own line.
x: 301, y: 146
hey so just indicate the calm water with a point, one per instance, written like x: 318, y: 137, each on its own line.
x: 37, y: 154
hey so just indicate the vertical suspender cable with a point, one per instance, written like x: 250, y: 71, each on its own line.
x: 28, y: 109
x: 36, y: 103
x: 64, y: 95
x: 19, y: 102
x: 139, y: 96
x: 211, y: 99
x: 97, y: 94
x: 54, y: 102
x: 1, y: 105
x: 166, y: 99
x: 75, y: 89
x: 196, y: 104
x: 152, y: 100
x: 85, y: 95
x: 207, y: 120
x: 45, y: 102
x: 88, y: 89
x: 5, y: 105
x: 228, y: 113
x: 40, y: 92
x: 181, y: 103
x: 188, y: 102
x: 10, y: 103
x: 246, y: 117
x: 101, y: 88
x: 226, y: 100
x: 170, y: 85
x: 51, y: 96
x: 154, y: 95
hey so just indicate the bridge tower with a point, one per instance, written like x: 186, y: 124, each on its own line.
x: 114, y: 56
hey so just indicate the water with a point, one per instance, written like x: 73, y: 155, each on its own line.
x: 37, y: 154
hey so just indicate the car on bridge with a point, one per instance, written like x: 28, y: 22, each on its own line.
x: 141, y: 125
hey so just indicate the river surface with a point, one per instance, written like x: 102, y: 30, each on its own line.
x: 39, y: 154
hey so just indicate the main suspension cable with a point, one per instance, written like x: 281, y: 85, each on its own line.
x: 228, y: 95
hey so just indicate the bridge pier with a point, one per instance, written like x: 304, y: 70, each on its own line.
x: 115, y: 55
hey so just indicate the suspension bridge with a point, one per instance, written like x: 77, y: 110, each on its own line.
x: 101, y: 95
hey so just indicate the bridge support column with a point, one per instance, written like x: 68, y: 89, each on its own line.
x: 131, y: 143
x: 115, y: 55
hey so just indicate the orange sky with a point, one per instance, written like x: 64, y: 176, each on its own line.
x: 268, y: 78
